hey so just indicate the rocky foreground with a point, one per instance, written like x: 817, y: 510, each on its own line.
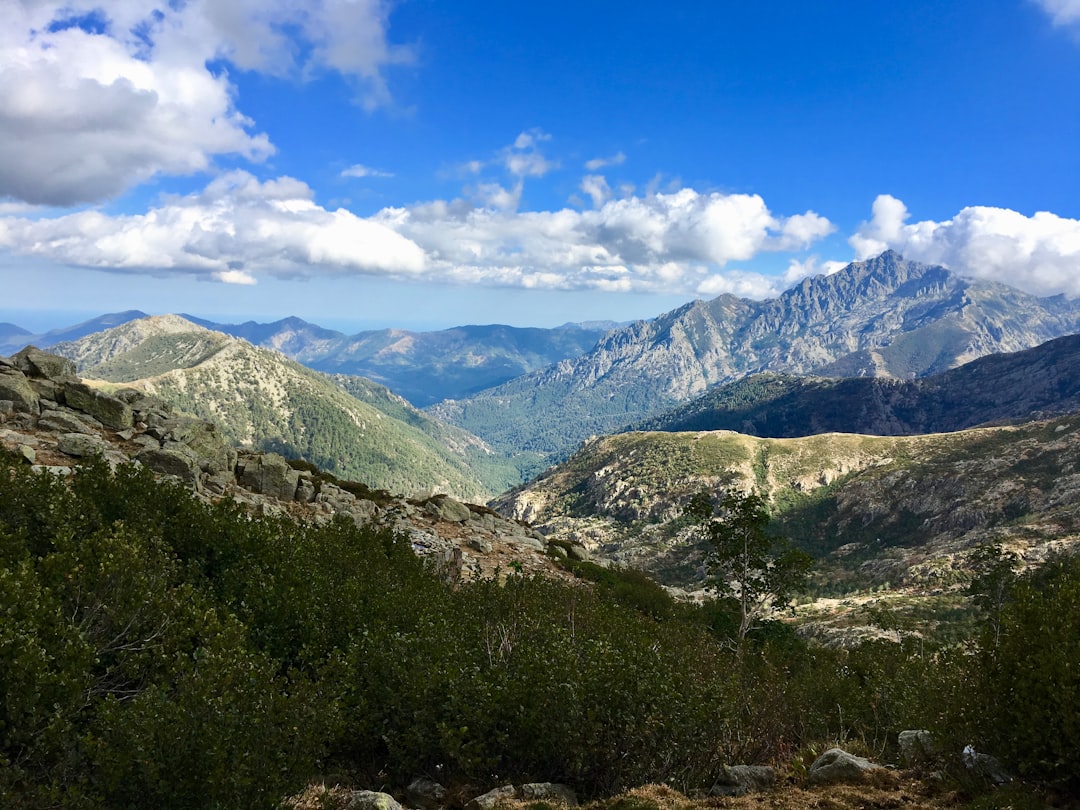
x: 52, y: 419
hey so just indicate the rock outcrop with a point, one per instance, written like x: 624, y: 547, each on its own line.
x: 54, y: 421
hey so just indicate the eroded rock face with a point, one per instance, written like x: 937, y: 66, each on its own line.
x: 109, y: 410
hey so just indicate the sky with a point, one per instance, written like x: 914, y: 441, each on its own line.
x: 424, y: 164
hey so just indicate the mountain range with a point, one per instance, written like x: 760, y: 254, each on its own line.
x: 1010, y: 387
x: 348, y: 426
x: 885, y: 317
x: 422, y: 367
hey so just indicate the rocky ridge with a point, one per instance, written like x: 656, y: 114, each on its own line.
x: 899, y: 512
x: 52, y: 419
x: 885, y: 317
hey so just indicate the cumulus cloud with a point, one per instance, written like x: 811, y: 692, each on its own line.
x: 239, y: 229
x: 1039, y: 254
x: 603, y: 162
x: 359, y: 170
x: 234, y: 231
x: 96, y: 98
x: 597, y: 188
x: 674, y: 243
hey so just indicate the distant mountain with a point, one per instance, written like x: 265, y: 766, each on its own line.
x: 907, y: 511
x: 423, y: 367
x: 13, y: 341
x: 885, y: 317
x: 353, y: 428
x: 998, y: 388
x: 13, y: 338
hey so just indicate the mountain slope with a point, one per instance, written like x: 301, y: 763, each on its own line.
x: 1035, y: 383
x: 874, y: 510
x: 263, y: 400
x: 884, y: 317
x: 423, y: 367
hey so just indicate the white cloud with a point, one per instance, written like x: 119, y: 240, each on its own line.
x: 524, y: 159
x: 597, y: 188
x: 238, y: 230
x: 88, y: 111
x: 234, y: 231
x: 359, y: 170
x: 1039, y: 254
x: 799, y: 269
x: 601, y: 162
x: 1063, y: 12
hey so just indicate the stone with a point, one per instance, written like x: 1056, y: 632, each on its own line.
x: 15, y: 388
x: 578, y: 553
x: 64, y: 422
x: 36, y: 363
x: 425, y: 793
x: 523, y: 541
x: 489, y: 800
x: 28, y: 453
x: 80, y: 444
x: 111, y: 411
x: 48, y: 390
x: 305, y: 489
x: 371, y: 800
x: 480, y: 544
x: 446, y: 508
x: 916, y: 746
x: 548, y: 792
x: 837, y: 766
x: 268, y: 474
x: 985, y: 766
x: 58, y: 471
x: 176, y: 459
x: 214, y: 453
x: 739, y: 780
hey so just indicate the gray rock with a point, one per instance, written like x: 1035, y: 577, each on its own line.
x: 58, y: 471
x: 523, y: 541
x: 578, y: 553
x: 425, y: 793
x: 916, y: 746
x: 109, y: 410
x: 489, y: 800
x: 48, y: 390
x: 80, y: 444
x: 214, y: 453
x: 986, y: 766
x: 548, y: 792
x: 837, y: 766
x: 738, y: 780
x: 480, y: 544
x: 28, y: 453
x: 371, y: 800
x: 36, y: 363
x: 176, y: 459
x: 305, y: 489
x: 268, y: 474
x: 446, y: 508
x: 64, y: 422
x: 15, y: 388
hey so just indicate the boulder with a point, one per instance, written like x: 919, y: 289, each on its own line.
x: 489, y: 800
x: 202, y: 438
x: 985, y: 766
x: 81, y: 444
x: 36, y: 363
x: 371, y: 800
x: 268, y: 474
x: 64, y: 422
x: 425, y: 793
x: 738, y: 780
x: 15, y: 388
x: 176, y: 459
x: 548, y: 792
x: 837, y: 766
x: 108, y: 410
x: 446, y: 508
x: 916, y: 746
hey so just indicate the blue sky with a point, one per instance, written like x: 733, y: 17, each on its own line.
x: 424, y: 164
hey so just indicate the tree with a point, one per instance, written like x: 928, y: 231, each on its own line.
x: 759, y: 570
